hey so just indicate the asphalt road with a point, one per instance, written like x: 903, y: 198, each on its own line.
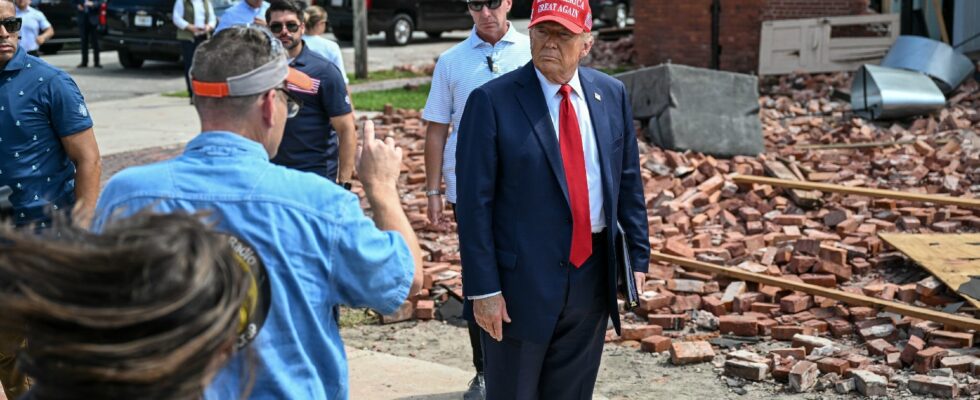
x: 113, y: 82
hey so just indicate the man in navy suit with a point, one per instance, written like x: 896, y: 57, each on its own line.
x: 548, y: 166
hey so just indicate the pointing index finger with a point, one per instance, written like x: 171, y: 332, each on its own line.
x: 368, y: 132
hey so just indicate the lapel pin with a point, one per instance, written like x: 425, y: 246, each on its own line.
x: 597, y: 97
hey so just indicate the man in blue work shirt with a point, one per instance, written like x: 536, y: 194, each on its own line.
x: 35, y: 28
x: 48, y: 153
x: 319, y: 248
x: 246, y: 12
x: 322, y: 138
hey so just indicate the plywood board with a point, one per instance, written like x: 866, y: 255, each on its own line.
x: 809, y: 45
x: 951, y: 258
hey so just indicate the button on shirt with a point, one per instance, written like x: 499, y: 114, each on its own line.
x: 199, y: 14
x: 241, y: 14
x: 459, y: 71
x: 329, y: 50
x: 309, y: 142
x: 319, y: 248
x: 39, y: 105
x: 592, y: 170
x: 33, y: 22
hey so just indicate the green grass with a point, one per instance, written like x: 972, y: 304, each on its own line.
x: 182, y: 94
x: 383, y: 76
x: 375, y: 100
x: 351, y: 317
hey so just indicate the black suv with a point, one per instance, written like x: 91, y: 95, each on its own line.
x: 398, y: 19
x: 144, y: 30
x: 61, y: 15
x: 612, y: 13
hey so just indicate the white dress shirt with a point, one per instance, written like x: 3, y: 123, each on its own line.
x: 178, y: 17
x: 593, y: 173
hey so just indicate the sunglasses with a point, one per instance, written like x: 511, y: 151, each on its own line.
x: 276, y: 27
x: 293, y: 103
x: 11, y: 24
x: 477, y: 6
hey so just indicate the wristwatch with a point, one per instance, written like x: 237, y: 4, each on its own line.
x: 433, y: 192
x: 346, y: 185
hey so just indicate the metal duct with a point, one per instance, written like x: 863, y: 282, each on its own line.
x: 937, y: 59
x: 885, y: 93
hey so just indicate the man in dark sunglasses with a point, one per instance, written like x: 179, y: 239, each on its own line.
x: 493, y: 49
x: 321, y: 139
x: 49, y: 158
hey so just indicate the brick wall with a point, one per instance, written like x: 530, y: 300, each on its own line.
x: 680, y: 31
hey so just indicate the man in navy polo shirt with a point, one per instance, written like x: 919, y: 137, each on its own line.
x: 48, y: 154
x: 321, y: 138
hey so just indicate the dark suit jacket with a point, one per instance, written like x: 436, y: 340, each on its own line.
x: 513, y: 213
x: 91, y: 14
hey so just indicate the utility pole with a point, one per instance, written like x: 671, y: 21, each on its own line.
x: 360, y: 39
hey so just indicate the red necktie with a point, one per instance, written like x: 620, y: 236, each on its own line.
x: 573, y: 158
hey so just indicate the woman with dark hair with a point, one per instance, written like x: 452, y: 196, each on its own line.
x: 151, y: 308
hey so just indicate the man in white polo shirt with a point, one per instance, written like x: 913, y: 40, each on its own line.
x: 493, y: 48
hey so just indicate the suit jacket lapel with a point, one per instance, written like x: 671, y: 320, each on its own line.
x: 603, y: 136
x: 533, y: 103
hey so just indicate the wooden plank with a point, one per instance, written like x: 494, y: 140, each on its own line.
x: 952, y: 258
x: 938, y: 9
x: 861, y: 145
x: 877, y: 193
x: 802, y: 198
x: 842, y: 296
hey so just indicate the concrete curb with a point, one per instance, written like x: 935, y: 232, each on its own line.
x: 379, y: 376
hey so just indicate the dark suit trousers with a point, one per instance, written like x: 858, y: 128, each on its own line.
x: 567, y: 366
x: 89, y: 33
x: 474, y: 332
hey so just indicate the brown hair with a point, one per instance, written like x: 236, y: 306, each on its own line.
x: 315, y: 14
x: 147, y: 309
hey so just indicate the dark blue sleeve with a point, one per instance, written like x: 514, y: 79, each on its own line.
x: 333, y: 91
x: 632, y: 206
x: 67, y: 109
x: 476, y: 174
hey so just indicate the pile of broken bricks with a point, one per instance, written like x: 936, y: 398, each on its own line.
x: 757, y: 332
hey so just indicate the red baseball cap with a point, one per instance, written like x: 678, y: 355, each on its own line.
x: 574, y: 15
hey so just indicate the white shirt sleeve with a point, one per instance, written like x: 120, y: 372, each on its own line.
x: 213, y: 20
x: 178, y: 17
x: 439, y: 105
x: 484, y: 296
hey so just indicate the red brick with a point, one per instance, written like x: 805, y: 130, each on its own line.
x: 786, y: 332
x: 959, y: 339
x: 765, y: 308
x: 790, y: 219
x: 879, y: 347
x: 841, y: 271
x: 652, y: 302
x: 858, y: 361
x: 739, y: 325
x: 894, y: 360
x: 914, y: 345
x: 714, y: 305
x: 749, y: 214
x: 928, y: 359
x: 839, y: 327
x: 686, y: 286
x: 765, y: 326
x: 425, y: 309
x: 907, y: 294
x: 835, y: 365
x: 958, y: 363
x: 668, y: 321
x: 782, y: 368
x: 685, y: 303
x: 929, y: 286
x: 833, y: 254
x: 796, y: 303
x: 797, y: 353
x: 803, y: 376
x: 937, y: 386
x: 676, y: 248
x: 639, y: 332
x: 861, y: 313
x: 825, y: 280
x: 743, y: 303
x: 655, y: 344
x: 817, y: 325
x: 746, y: 370
x: 690, y: 352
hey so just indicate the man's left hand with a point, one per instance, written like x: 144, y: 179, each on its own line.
x: 641, y: 279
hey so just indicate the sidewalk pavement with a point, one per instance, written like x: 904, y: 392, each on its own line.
x: 379, y: 376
